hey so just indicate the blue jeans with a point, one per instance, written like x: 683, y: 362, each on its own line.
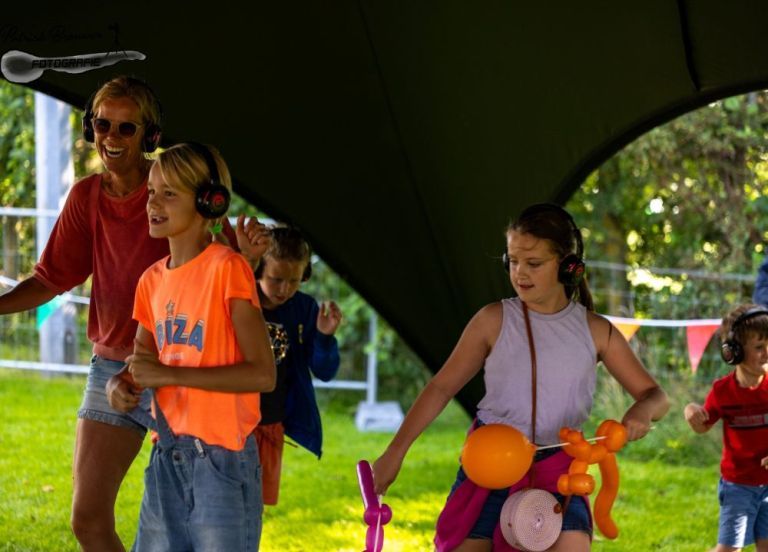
x: 95, y: 405
x: 199, y: 496
x: 743, y: 513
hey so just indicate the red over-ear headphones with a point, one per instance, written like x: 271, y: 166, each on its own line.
x: 731, y: 350
x: 572, y: 267
x: 152, y: 132
x: 212, y: 197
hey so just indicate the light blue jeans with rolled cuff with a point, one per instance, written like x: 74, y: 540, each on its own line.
x: 199, y: 496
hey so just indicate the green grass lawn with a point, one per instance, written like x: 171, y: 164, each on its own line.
x: 667, y: 498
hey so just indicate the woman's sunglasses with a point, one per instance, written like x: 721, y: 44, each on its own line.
x: 125, y: 128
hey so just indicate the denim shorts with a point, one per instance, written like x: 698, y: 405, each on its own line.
x: 575, y: 518
x: 95, y: 405
x: 743, y: 513
x: 201, y: 497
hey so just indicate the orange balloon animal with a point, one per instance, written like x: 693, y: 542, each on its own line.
x: 578, y: 482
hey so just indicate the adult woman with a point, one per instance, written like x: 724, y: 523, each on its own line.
x: 103, y: 231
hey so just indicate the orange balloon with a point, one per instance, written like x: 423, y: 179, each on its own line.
x: 615, y: 435
x: 609, y: 471
x: 582, y: 484
x: 496, y: 456
x: 578, y: 482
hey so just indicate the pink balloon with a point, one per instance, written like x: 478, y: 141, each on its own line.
x: 376, y: 515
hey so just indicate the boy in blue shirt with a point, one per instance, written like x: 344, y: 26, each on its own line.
x: 303, y: 344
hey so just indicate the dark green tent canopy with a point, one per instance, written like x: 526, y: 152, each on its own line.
x: 401, y: 136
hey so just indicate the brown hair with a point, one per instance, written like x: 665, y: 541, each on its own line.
x: 753, y: 325
x: 551, y: 222
x: 287, y: 245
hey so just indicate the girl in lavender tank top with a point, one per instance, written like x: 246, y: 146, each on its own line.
x: 544, y: 259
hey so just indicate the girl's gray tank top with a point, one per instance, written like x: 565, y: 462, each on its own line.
x: 565, y: 372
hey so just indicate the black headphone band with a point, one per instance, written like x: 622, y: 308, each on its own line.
x: 743, y: 317
x: 206, y: 154
x: 553, y: 207
x: 132, y: 81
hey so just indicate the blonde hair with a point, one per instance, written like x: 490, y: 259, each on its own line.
x: 183, y: 167
x: 134, y: 89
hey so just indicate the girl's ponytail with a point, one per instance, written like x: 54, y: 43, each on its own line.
x: 583, y: 295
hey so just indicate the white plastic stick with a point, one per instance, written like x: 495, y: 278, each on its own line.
x: 563, y: 444
x: 590, y: 439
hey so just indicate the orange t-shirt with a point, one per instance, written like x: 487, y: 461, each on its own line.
x: 187, y: 309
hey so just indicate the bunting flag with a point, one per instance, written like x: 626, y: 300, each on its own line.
x: 698, y: 338
x: 627, y: 330
x: 698, y: 332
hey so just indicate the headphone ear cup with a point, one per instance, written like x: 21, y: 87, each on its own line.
x: 87, y: 121
x: 88, y: 134
x: 307, y: 274
x: 505, y: 261
x: 151, y: 138
x: 212, y: 200
x: 731, y: 351
x: 571, y: 270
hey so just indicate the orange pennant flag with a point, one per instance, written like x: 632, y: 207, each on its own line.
x: 627, y: 330
x: 698, y: 338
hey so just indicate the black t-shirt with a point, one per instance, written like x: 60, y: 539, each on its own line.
x: 273, y: 403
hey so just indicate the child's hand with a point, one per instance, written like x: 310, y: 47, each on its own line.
x: 122, y: 393
x: 329, y: 318
x: 764, y: 462
x: 695, y: 414
x: 637, y: 424
x: 253, y: 239
x: 146, y: 370
x: 385, y: 470
x: 697, y: 417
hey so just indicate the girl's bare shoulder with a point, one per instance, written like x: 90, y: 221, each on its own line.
x: 487, y: 322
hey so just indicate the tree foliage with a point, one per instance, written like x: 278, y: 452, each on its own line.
x: 17, y: 153
x: 18, y: 178
x: 17, y: 145
x: 688, y: 195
